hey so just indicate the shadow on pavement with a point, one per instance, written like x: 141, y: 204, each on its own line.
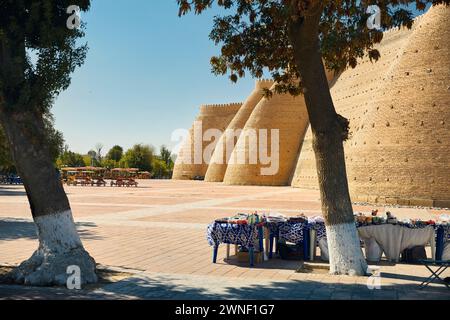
x: 12, y: 192
x: 161, y: 288
x: 13, y: 229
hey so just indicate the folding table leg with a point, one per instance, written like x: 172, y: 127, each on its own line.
x: 277, y: 238
x: 228, y: 251
x: 261, y: 239
x: 306, y: 243
x: 433, y: 248
x: 312, y: 245
x: 439, y: 243
x: 271, y: 239
x: 438, y: 273
x: 251, y: 252
x: 435, y: 275
x: 216, y: 250
x: 266, y: 243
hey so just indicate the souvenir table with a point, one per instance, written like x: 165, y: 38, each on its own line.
x: 297, y: 232
x: 440, y: 266
x: 393, y: 239
x: 245, y: 235
x: 318, y: 236
x: 378, y: 234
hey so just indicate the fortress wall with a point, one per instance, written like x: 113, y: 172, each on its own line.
x: 352, y: 95
x: 400, y: 113
x: 211, y: 117
x: 219, y: 162
x: 402, y: 153
x: 283, y: 112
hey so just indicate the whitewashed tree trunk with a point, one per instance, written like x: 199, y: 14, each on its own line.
x: 59, y: 243
x: 59, y: 247
x: 344, y: 250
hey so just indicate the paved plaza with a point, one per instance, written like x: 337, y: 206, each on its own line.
x: 157, y: 234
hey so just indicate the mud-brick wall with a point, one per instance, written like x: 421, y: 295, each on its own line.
x: 401, y: 154
x: 289, y: 116
x: 211, y: 117
x: 353, y: 93
x: 399, y: 108
x: 219, y: 162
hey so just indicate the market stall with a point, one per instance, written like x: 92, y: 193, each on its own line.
x: 295, y: 230
x: 250, y: 231
x: 379, y: 235
x: 394, y: 239
x: 240, y: 230
x: 389, y: 236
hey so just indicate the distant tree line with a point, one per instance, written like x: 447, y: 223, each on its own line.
x: 140, y: 156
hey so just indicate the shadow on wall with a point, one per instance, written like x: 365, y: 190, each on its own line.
x: 14, y: 229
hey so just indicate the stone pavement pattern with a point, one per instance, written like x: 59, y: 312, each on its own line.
x: 158, y: 230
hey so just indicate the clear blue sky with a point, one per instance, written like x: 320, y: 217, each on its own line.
x: 146, y: 74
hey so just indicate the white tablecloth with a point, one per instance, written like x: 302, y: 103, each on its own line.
x: 393, y: 239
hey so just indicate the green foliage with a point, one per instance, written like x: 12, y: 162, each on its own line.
x: 115, y: 153
x: 160, y: 169
x: 89, y: 161
x: 140, y: 156
x: 37, y: 28
x: 92, y: 159
x: 55, y: 138
x: 70, y: 159
x: 166, y: 156
x: 255, y: 35
x: 110, y: 164
x: 55, y: 141
x: 163, y: 164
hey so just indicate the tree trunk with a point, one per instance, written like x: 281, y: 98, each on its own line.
x: 59, y: 243
x: 329, y: 130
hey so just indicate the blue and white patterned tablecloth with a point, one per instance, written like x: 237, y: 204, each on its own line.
x: 318, y: 224
x: 247, y: 235
x: 292, y: 231
x: 239, y: 234
x: 446, y: 228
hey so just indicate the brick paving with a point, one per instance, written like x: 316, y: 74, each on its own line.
x: 158, y: 230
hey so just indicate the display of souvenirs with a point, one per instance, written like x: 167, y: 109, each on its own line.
x: 255, y: 219
x: 361, y: 220
x: 246, y: 229
x: 298, y: 219
x: 365, y: 220
x: 240, y: 218
x: 276, y: 218
x: 243, y: 218
x: 390, y: 218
